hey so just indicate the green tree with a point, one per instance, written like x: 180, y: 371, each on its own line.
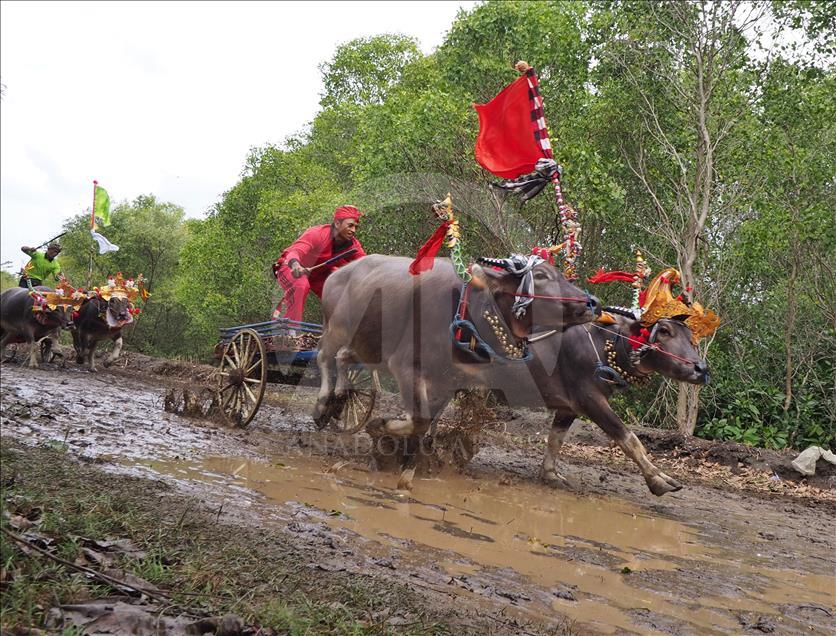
x: 7, y: 280
x: 677, y: 77
x: 363, y: 70
x: 150, y: 235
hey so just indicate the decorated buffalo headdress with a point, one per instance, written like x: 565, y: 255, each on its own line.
x: 118, y: 287
x: 520, y: 266
x: 659, y: 302
x: 64, y: 295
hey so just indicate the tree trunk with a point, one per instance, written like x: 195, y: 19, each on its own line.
x: 791, y: 307
x: 687, y: 408
x: 682, y: 408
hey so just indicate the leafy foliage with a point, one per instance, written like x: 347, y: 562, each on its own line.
x: 7, y: 280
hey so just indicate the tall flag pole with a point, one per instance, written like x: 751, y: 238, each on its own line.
x: 93, y: 211
x: 513, y: 143
x: 101, y: 211
x: 92, y: 228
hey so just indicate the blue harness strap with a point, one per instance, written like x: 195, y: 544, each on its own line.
x: 466, y: 336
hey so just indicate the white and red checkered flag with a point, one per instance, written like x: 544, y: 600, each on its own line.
x: 513, y: 143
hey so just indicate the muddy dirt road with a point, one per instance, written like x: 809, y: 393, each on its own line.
x: 491, y: 542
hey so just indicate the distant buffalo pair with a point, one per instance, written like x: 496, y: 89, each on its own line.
x: 434, y: 341
x: 96, y: 320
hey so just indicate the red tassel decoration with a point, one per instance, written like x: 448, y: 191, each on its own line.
x: 644, y: 334
x: 602, y: 276
x: 425, y: 257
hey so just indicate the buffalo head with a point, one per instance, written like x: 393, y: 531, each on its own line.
x: 65, y: 315
x: 529, y: 291
x: 61, y: 314
x: 673, y: 354
x: 117, y: 308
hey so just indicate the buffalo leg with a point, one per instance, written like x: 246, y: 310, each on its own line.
x: 3, y: 341
x: 77, y: 345
x: 658, y: 482
x: 560, y: 427
x: 34, y: 345
x: 117, y: 349
x: 46, y: 344
x: 325, y: 360
x: 91, y: 350
x: 423, y: 406
x: 344, y: 359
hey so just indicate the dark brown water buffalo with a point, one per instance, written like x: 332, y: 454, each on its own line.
x: 571, y: 376
x: 19, y: 323
x: 99, y: 319
x: 377, y: 313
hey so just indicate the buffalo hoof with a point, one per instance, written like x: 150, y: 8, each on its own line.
x: 107, y: 363
x: 554, y: 479
x: 661, y: 484
x: 376, y: 427
x: 327, y: 410
x: 405, y: 480
x: 320, y: 414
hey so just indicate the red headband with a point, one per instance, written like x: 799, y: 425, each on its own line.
x: 347, y: 212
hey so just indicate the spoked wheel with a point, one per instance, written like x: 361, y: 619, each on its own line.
x: 364, y: 387
x: 242, y: 377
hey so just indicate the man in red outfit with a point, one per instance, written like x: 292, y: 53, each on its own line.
x: 296, y: 268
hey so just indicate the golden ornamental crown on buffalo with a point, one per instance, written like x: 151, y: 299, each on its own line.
x: 660, y: 303
x: 65, y: 295
x: 118, y: 287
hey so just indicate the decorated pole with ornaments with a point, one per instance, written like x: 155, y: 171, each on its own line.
x: 513, y: 143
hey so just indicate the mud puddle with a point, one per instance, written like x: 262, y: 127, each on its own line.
x: 703, y: 560
x: 599, y: 561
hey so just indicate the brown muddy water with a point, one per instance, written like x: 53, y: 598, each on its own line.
x: 590, y: 547
x: 699, y: 561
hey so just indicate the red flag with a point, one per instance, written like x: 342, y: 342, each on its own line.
x: 425, y: 258
x: 506, y: 145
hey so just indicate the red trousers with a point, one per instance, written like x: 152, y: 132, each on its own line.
x: 295, y: 292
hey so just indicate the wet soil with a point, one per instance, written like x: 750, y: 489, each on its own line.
x: 745, y: 547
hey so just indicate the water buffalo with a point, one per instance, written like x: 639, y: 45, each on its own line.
x: 570, y: 371
x: 377, y: 313
x: 99, y: 319
x: 19, y: 323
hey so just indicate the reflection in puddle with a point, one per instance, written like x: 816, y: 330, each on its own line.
x: 538, y: 535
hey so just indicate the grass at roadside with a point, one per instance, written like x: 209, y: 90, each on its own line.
x: 206, y: 566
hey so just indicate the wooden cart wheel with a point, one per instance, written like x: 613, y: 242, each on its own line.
x: 242, y: 377
x: 359, y: 404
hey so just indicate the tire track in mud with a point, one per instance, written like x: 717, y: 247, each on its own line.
x: 726, y: 576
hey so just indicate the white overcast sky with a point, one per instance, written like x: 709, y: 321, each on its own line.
x: 161, y: 98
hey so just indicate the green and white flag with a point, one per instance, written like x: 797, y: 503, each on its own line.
x: 101, y: 207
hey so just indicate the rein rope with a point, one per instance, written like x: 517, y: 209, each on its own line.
x: 653, y: 346
x: 573, y: 299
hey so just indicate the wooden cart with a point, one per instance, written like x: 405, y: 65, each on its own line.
x: 282, y: 351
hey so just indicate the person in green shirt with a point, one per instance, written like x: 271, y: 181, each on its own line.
x: 41, y: 266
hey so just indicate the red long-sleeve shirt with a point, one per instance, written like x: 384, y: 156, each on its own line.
x: 315, y: 246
